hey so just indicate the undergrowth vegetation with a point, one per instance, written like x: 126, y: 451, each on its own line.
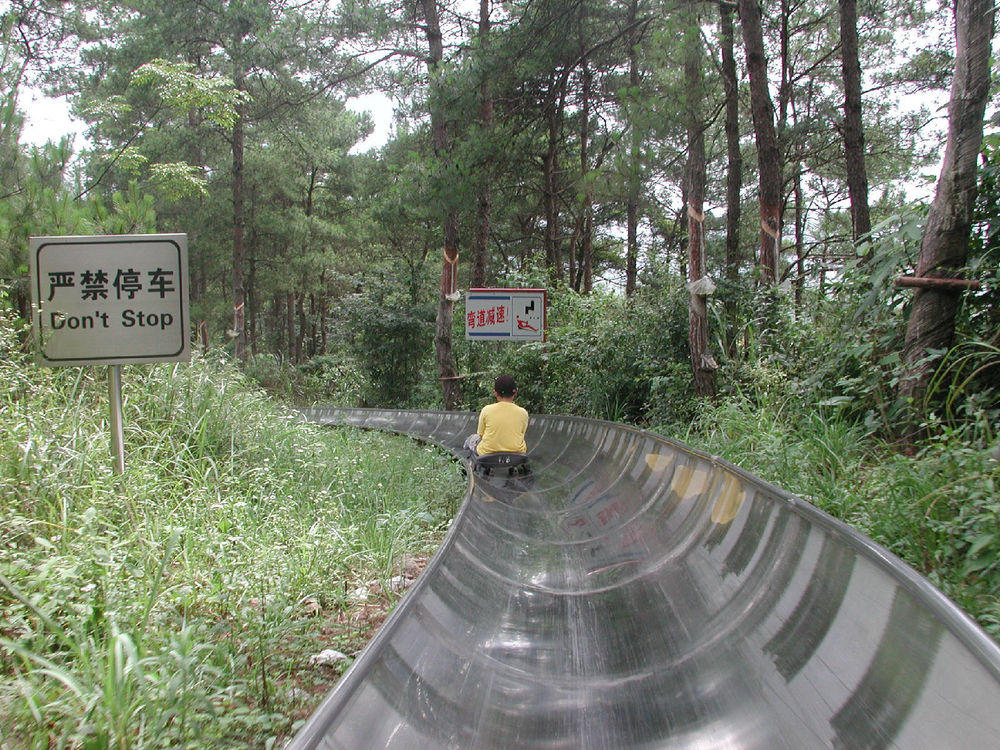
x: 178, y: 605
x: 939, y: 510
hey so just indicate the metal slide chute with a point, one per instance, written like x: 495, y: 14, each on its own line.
x: 636, y: 593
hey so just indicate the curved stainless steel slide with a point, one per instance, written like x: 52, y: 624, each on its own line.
x: 634, y: 593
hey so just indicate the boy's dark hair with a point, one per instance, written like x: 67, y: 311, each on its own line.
x: 505, y: 386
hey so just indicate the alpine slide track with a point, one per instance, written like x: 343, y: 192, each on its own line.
x: 634, y: 593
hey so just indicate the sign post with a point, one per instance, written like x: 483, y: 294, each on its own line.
x: 505, y: 315
x: 110, y: 300
x: 117, y: 426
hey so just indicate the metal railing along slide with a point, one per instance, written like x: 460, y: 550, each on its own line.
x: 635, y: 593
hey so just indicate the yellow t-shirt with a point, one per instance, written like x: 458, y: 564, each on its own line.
x: 502, y: 426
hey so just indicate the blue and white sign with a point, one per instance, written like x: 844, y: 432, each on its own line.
x: 505, y: 314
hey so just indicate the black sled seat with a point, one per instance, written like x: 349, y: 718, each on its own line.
x: 514, y: 464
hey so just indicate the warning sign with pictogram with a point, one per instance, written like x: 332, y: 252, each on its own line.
x: 511, y: 314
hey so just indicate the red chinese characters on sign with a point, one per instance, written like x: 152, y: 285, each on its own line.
x: 498, y: 314
x: 486, y: 317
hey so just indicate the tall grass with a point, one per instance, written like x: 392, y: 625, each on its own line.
x: 939, y: 510
x: 177, y: 605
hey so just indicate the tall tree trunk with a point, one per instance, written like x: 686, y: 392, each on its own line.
x: 290, y: 325
x: 239, y: 332
x: 944, y: 246
x: 196, y: 156
x: 277, y: 320
x: 447, y: 374
x: 768, y: 152
x: 734, y: 172
x: 252, y: 319
x: 553, y: 252
x: 703, y: 365
x: 300, y: 314
x: 323, y: 308
x: 632, y: 243
x: 800, y: 237
x: 587, y: 244
x: 313, y: 348
x: 634, y: 161
x: 681, y: 224
x: 854, y: 137
x: 480, y: 247
x: 785, y: 61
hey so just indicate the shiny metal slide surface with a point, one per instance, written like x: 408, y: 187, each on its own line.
x: 635, y: 593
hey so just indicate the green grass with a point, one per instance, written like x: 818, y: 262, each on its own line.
x: 177, y: 605
x: 938, y: 510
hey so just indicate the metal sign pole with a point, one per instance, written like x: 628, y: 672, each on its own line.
x: 117, y: 430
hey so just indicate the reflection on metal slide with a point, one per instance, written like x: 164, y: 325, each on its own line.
x: 634, y: 593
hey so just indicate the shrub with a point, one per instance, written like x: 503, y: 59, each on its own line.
x: 604, y: 357
x: 392, y: 343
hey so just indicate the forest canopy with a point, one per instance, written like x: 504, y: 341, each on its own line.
x: 741, y: 187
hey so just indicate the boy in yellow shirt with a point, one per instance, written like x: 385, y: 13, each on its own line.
x: 502, y: 424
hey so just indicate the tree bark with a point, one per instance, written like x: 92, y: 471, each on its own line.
x: 196, y: 156
x: 323, y: 308
x: 944, y: 246
x: 854, y: 137
x: 734, y: 171
x: 480, y: 248
x: 800, y: 237
x: 768, y: 152
x: 447, y: 374
x: 290, y: 325
x: 300, y: 315
x: 939, y: 283
x: 703, y: 365
x: 553, y: 252
x: 587, y: 244
x: 785, y: 62
x: 239, y: 332
x: 634, y: 163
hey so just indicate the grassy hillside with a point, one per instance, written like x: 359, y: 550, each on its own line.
x: 179, y: 605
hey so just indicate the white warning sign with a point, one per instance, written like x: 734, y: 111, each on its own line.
x: 119, y: 299
x: 511, y: 314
